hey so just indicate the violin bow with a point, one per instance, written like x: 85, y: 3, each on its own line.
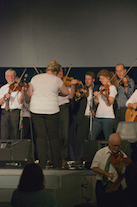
x: 35, y: 68
x: 19, y: 79
x: 67, y: 73
x: 128, y: 70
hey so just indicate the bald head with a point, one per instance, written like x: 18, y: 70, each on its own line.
x: 114, y: 142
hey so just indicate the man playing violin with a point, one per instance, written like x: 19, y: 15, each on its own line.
x: 11, y: 103
x: 125, y: 89
x: 64, y: 117
x: 106, y: 171
x: 84, y: 105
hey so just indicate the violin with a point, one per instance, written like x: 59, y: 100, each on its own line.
x: 119, y: 158
x: 128, y: 80
x: 18, y: 86
x: 84, y: 91
x: 106, y: 89
x: 67, y: 81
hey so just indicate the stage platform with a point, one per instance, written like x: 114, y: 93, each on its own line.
x: 70, y: 187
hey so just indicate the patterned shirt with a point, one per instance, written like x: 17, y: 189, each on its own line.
x: 122, y: 97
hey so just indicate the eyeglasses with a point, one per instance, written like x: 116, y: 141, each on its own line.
x: 101, y: 79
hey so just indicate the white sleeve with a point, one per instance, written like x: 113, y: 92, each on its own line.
x: 113, y: 91
x: 96, y: 160
x: 132, y: 99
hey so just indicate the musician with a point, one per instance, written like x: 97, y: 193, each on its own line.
x: 64, y: 118
x: 11, y: 103
x: 132, y: 101
x: 105, y: 118
x: 43, y: 91
x: 84, y: 107
x: 106, y: 172
x: 124, y: 90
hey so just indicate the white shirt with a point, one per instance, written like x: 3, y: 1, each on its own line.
x: 14, y: 96
x: 104, y: 111
x: 100, y: 160
x: 132, y: 99
x: 89, y: 103
x: 64, y: 99
x: 44, y: 99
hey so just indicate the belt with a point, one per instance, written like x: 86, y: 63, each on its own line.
x: 66, y: 105
x: 11, y: 110
x: 87, y: 116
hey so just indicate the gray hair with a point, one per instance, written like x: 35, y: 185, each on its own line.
x: 10, y: 70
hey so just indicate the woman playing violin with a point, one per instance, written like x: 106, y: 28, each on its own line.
x: 104, y: 119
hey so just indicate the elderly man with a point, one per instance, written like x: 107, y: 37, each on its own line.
x: 106, y: 171
x: 11, y: 103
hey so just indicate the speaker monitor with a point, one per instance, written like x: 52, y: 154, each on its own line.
x: 16, y: 151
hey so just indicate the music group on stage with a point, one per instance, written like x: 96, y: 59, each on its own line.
x: 47, y: 98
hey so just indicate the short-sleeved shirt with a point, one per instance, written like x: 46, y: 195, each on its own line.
x: 14, y: 96
x: 44, y: 99
x: 100, y: 160
x: 104, y: 111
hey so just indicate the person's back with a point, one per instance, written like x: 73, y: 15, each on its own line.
x: 41, y: 198
x: 31, y: 190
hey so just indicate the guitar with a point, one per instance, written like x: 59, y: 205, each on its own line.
x: 131, y: 115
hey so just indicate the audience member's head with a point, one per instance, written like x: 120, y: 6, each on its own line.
x: 32, y: 178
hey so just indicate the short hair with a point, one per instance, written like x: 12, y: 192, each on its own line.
x: 120, y: 64
x: 53, y: 66
x: 90, y: 73
x: 32, y: 179
x: 10, y: 70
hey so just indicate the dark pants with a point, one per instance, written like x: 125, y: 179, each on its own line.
x: 82, y: 135
x: 47, y: 125
x: 100, y: 193
x: 120, y: 116
x: 10, y: 124
x: 63, y: 130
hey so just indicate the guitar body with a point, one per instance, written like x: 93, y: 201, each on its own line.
x: 131, y: 115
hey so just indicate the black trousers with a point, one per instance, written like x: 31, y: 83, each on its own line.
x: 47, y: 125
x: 63, y: 130
x: 100, y: 193
x: 82, y: 135
x: 10, y: 124
x: 120, y: 116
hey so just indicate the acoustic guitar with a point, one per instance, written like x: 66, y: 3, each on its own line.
x: 131, y: 115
